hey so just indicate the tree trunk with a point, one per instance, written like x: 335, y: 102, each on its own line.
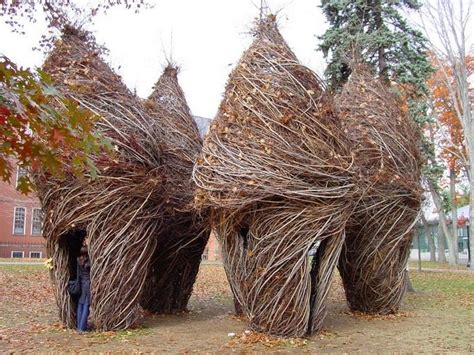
x: 441, y: 245
x: 442, y: 223
x: 429, y: 237
x: 469, y: 127
x: 453, y: 240
x: 432, y: 247
x: 410, y: 287
x: 471, y: 213
x: 381, y: 50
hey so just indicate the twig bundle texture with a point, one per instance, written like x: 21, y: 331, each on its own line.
x: 123, y: 210
x: 185, y: 233
x: 276, y: 169
x: 385, y: 144
x: 286, y: 172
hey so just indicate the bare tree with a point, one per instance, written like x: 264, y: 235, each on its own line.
x: 454, y: 258
x: 429, y: 237
x: 433, y: 188
x: 446, y: 23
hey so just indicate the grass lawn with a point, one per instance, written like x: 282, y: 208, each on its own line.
x: 434, y: 265
x: 22, y: 260
x: 439, y: 317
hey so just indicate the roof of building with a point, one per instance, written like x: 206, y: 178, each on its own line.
x: 432, y: 215
x: 203, y: 124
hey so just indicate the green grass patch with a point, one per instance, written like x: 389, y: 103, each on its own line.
x: 443, y: 291
x: 22, y: 260
x: 22, y: 268
x: 434, y: 265
x: 445, y: 282
x: 121, y: 334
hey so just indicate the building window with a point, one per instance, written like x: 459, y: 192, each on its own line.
x: 205, y: 253
x: 35, y: 254
x: 19, y: 220
x: 18, y: 254
x: 20, y: 172
x: 36, y: 221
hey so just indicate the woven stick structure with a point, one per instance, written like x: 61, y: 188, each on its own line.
x: 276, y: 170
x: 180, y: 245
x: 121, y: 211
x: 385, y: 144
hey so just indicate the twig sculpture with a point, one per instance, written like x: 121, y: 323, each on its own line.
x: 181, y: 243
x: 123, y: 210
x: 385, y: 143
x: 276, y: 169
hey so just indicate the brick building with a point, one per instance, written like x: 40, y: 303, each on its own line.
x: 21, y: 217
x: 213, y: 251
x: 20, y: 222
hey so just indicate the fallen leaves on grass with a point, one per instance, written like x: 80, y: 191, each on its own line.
x: 250, y: 338
x: 25, y: 285
x: 211, y: 283
x: 370, y: 317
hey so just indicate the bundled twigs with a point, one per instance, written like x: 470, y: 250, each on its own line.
x: 384, y: 141
x: 276, y: 169
x: 182, y: 241
x: 285, y: 174
x: 123, y: 210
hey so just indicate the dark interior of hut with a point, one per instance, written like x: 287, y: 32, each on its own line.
x: 72, y: 242
x: 243, y: 233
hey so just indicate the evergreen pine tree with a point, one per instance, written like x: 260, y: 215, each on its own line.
x: 375, y: 32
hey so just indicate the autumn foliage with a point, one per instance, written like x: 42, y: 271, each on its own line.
x: 447, y: 108
x: 39, y: 127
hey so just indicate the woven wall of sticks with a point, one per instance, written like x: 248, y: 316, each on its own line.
x: 287, y: 170
x: 125, y: 210
x: 385, y: 144
x: 176, y: 260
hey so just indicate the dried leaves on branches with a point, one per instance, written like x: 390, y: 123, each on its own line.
x: 385, y: 144
x: 277, y: 170
x: 285, y: 174
x: 123, y: 210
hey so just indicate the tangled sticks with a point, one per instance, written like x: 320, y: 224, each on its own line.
x: 384, y: 141
x: 180, y: 245
x: 284, y: 175
x: 278, y: 172
x: 123, y: 210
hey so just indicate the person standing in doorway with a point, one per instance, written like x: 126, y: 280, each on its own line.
x: 84, y: 267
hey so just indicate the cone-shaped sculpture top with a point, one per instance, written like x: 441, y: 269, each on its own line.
x: 75, y: 66
x: 169, y: 103
x: 182, y: 142
x: 274, y: 112
x: 77, y: 69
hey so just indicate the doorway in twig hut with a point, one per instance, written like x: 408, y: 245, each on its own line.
x: 72, y: 242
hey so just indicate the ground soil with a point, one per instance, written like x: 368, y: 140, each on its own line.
x: 439, y: 317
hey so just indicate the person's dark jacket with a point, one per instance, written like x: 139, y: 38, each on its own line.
x: 85, y: 277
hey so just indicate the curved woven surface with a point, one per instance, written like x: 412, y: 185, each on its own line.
x: 122, y: 210
x: 185, y: 233
x: 385, y: 144
x: 276, y: 169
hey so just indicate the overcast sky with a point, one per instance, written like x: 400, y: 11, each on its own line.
x: 205, y: 38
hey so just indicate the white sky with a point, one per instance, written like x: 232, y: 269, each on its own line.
x: 205, y: 38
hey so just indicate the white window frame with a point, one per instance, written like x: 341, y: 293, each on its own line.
x: 18, y: 251
x: 14, y: 217
x: 32, y: 220
x: 18, y: 174
x: 40, y: 254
